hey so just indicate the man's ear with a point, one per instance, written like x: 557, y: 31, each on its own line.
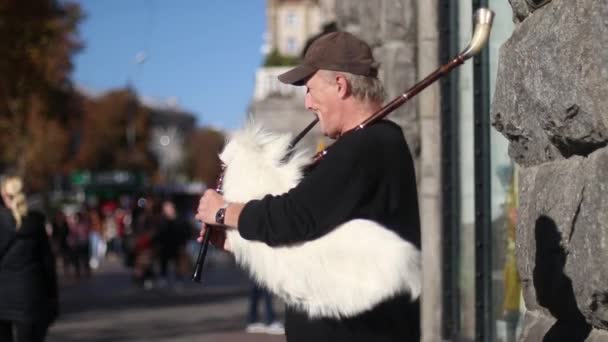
x: 343, y: 86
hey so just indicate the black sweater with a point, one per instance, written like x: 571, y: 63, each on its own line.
x: 28, y: 283
x: 367, y: 174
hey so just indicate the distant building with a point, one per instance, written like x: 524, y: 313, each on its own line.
x: 290, y: 23
x: 169, y: 127
x: 279, y: 107
x: 290, y: 26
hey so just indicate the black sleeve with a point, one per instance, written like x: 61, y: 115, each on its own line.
x: 326, y: 197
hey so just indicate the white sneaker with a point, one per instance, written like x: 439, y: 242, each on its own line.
x: 256, y: 328
x: 275, y: 328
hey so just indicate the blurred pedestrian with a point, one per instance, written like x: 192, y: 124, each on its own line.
x: 28, y: 282
x: 270, y: 324
x: 110, y: 227
x: 80, y: 243
x: 96, y: 241
x: 173, y: 233
x: 144, y: 251
x: 60, y: 238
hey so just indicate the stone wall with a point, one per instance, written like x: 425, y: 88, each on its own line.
x: 551, y: 102
x: 389, y: 26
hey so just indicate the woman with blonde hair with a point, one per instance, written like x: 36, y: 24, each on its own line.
x: 28, y: 283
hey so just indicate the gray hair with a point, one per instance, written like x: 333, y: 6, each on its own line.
x: 361, y: 87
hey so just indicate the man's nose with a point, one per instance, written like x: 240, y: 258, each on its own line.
x: 308, y: 102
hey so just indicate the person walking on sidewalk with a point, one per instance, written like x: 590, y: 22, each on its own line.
x: 28, y: 282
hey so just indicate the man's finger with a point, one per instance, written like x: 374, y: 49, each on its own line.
x: 201, y: 233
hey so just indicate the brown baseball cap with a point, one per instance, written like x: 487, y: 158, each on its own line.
x: 336, y: 51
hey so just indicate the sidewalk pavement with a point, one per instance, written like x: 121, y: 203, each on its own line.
x: 109, y: 307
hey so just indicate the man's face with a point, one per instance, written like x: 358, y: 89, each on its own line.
x: 322, y: 98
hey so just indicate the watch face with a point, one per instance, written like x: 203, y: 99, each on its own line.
x: 219, y: 216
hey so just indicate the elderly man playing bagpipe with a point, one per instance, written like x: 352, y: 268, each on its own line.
x: 337, y: 239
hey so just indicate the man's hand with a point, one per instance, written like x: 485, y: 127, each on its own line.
x: 217, y: 237
x: 208, y: 206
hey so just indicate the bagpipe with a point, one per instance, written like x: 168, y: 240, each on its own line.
x: 339, y: 274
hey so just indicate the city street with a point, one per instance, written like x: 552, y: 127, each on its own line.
x: 109, y: 307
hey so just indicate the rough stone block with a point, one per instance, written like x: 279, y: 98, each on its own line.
x: 551, y: 98
x: 398, y: 20
x: 523, y: 8
x: 537, y: 327
x: 520, y: 9
x: 562, y: 239
x: 588, y: 245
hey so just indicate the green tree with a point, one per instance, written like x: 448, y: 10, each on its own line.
x: 274, y: 58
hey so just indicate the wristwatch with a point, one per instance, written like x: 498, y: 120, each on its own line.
x: 220, y: 215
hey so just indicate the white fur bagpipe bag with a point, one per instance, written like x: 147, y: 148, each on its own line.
x: 341, y: 274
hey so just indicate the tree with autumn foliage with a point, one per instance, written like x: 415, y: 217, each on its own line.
x: 37, y: 41
x: 203, y: 148
x: 114, y: 134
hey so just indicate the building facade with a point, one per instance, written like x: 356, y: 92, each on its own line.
x: 290, y: 23
x: 170, y: 126
x: 279, y: 107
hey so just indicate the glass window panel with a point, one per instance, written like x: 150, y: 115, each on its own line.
x: 467, y: 229
x: 506, y: 297
x: 505, y: 284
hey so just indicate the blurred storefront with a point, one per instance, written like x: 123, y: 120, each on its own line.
x: 88, y: 187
